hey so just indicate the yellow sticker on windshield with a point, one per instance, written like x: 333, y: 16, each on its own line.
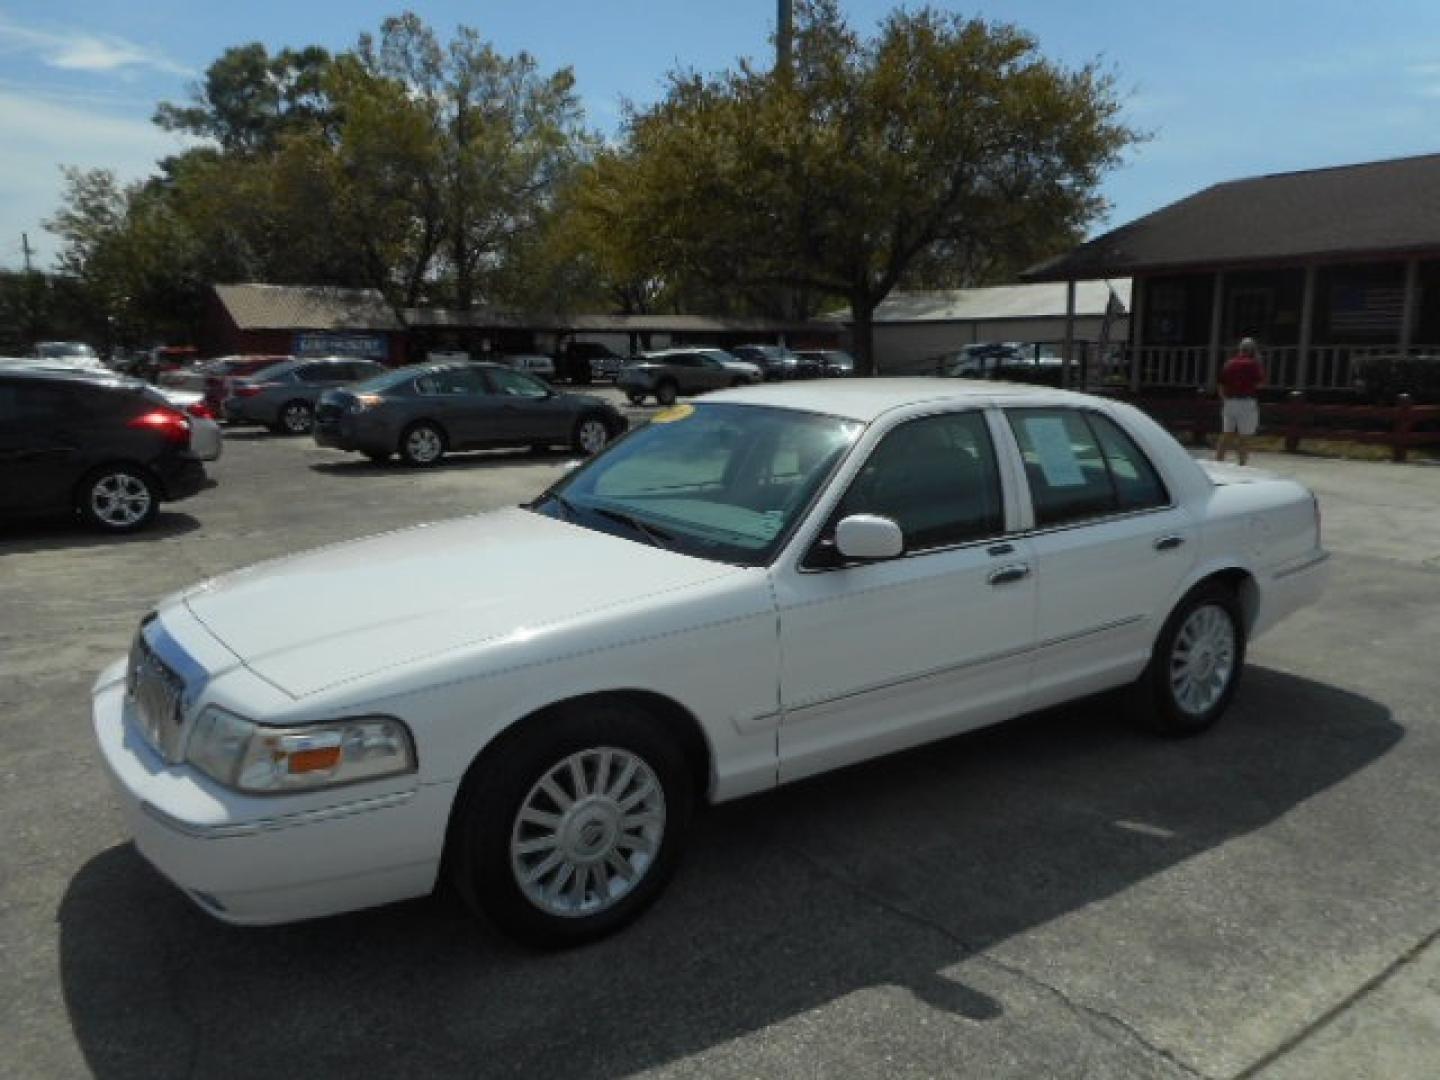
x: 670, y: 415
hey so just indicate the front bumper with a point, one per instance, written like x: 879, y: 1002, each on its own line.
x: 256, y: 860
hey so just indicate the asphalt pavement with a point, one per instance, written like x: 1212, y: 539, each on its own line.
x: 1060, y: 896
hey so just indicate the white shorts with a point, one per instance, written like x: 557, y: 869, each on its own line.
x: 1241, y: 415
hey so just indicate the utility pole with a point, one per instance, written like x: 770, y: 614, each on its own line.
x: 30, y: 292
x: 27, y: 249
x: 784, y: 32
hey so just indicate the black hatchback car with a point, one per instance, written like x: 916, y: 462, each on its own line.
x: 108, y: 448
x: 423, y: 412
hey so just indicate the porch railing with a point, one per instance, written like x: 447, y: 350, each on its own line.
x: 1325, y: 367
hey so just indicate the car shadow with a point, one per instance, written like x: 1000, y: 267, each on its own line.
x: 883, y: 874
x: 65, y: 531
x: 478, y: 459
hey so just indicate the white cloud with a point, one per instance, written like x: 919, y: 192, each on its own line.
x: 40, y: 135
x: 76, y: 50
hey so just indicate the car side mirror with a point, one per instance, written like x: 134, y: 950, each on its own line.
x: 868, y: 536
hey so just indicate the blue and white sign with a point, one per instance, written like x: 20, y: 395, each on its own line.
x: 325, y: 343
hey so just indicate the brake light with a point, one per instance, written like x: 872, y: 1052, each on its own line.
x: 248, y: 389
x: 201, y: 409
x: 167, y: 422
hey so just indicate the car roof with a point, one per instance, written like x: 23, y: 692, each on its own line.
x: 867, y: 399
x: 39, y: 371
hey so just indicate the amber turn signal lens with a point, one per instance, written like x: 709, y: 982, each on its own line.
x: 320, y: 759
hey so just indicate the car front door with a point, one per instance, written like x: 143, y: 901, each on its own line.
x: 883, y: 655
x: 529, y: 411
x: 459, y: 400
x: 1110, y: 545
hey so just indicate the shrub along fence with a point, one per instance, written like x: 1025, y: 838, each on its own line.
x: 1401, y: 426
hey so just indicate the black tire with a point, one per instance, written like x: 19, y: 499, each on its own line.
x: 590, y: 435
x: 295, y: 418
x: 666, y: 393
x: 422, y: 444
x: 487, y: 812
x: 636, y: 399
x: 1157, y: 700
x: 118, y: 498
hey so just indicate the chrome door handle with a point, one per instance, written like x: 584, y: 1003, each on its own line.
x: 1006, y: 574
x: 1165, y: 543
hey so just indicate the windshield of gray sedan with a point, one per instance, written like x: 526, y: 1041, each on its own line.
x: 723, y: 482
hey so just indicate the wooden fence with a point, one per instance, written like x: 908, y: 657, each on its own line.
x: 1399, y: 427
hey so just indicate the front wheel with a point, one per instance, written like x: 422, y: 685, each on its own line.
x: 118, y: 499
x: 666, y: 393
x: 296, y: 418
x: 1196, y: 664
x: 574, y: 827
x: 591, y: 435
x: 422, y: 444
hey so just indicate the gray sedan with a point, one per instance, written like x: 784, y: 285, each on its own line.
x: 282, y: 396
x: 422, y: 413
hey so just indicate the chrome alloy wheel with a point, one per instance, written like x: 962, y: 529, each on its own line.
x: 423, y: 445
x: 120, y: 500
x: 592, y: 436
x: 1202, y: 661
x: 295, y: 418
x: 588, y: 832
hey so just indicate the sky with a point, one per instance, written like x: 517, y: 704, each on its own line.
x: 1224, y: 88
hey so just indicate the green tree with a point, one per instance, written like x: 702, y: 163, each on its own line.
x: 940, y: 142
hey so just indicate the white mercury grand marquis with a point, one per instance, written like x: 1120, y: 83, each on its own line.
x: 754, y: 588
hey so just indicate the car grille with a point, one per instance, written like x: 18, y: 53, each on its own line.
x: 158, y: 695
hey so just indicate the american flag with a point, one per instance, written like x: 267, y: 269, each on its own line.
x: 1366, y: 309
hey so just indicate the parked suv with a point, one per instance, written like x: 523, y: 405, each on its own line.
x: 282, y: 397
x: 673, y: 372
x: 109, y: 448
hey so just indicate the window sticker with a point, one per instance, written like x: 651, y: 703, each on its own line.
x: 670, y: 415
x: 1051, y: 443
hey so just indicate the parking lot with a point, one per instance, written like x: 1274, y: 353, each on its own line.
x: 1061, y: 896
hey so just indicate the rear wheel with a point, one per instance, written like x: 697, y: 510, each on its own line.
x: 666, y: 393
x: 296, y: 418
x: 574, y: 826
x: 422, y: 444
x: 591, y: 435
x: 1195, y: 667
x: 118, y: 499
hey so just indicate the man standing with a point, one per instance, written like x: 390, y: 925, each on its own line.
x: 1240, y: 381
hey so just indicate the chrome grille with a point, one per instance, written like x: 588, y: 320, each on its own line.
x: 158, y: 695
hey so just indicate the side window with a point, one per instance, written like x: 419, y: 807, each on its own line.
x: 1080, y: 465
x: 312, y: 373
x: 517, y: 384
x: 1137, y: 484
x: 936, y: 478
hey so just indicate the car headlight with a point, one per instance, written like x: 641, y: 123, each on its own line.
x: 257, y: 758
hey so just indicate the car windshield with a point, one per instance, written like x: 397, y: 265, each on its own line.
x: 721, y: 482
x: 273, y: 371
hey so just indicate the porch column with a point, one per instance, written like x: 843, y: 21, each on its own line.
x: 1137, y: 329
x: 1307, y: 321
x: 1217, y: 313
x: 1069, y: 332
x: 1407, y: 311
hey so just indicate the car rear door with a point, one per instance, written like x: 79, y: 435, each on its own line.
x: 1111, y: 548
x: 881, y: 655
x: 42, y: 444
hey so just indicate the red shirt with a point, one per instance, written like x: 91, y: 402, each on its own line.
x: 1241, y: 376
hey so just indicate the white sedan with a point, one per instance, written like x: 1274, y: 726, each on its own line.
x: 772, y: 582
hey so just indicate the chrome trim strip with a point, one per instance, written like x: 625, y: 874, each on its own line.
x: 950, y: 669
x: 287, y: 821
x: 1308, y: 564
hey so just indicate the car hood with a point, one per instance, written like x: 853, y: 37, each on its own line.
x: 311, y: 621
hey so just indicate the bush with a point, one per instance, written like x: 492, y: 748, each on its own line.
x: 1382, y: 378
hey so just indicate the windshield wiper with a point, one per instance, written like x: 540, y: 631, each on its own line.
x: 657, y: 536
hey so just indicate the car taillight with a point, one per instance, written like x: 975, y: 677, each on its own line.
x: 167, y: 422
x: 247, y: 389
x: 200, y: 409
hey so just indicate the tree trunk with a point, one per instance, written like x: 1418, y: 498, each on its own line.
x: 862, y: 332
